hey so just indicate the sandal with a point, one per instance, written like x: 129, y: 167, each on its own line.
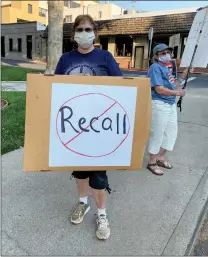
x: 164, y: 164
x: 153, y: 167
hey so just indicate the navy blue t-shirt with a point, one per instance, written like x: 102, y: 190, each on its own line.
x: 96, y: 63
x: 160, y: 75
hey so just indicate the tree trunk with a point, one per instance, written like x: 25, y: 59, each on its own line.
x: 55, y: 34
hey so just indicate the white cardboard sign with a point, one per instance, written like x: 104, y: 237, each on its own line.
x: 91, y: 125
x: 201, y: 56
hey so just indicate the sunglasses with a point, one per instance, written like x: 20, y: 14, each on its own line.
x: 164, y: 53
x: 81, y: 30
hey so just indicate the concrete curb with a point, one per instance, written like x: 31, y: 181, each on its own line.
x: 201, y: 219
x: 183, y: 237
x: 14, y: 86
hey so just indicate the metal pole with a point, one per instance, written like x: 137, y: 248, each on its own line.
x: 150, y: 36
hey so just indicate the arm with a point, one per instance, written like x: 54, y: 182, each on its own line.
x: 157, y: 83
x: 182, y: 77
x: 165, y: 91
x: 113, y: 67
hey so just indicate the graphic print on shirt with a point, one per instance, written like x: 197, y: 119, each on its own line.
x: 82, y: 69
x: 171, y: 78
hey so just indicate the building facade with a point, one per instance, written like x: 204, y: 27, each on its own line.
x: 97, y: 11
x: 126, y: 38
x: 16, y: 11
x: 22, y: 11
x: 23, y: 41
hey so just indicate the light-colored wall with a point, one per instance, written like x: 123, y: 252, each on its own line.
x: 74, y: 12
x: 86, y: 3
x: 111, y: 45
x: 43, y: 4
x: 173, y: 42
x: 5, y: 14
x: 140, y: 41
x: 116, y: 10
x: 105, y: 9
x: 108, y: 10
x: 5, y: 3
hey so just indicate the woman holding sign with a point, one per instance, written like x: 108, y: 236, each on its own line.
x: 90, y: 61
x: 164, y: 111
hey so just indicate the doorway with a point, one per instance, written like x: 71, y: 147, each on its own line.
x: 2, y: 46
x: 104, y: 43
x: 138, y: 57
x: 29, y: 47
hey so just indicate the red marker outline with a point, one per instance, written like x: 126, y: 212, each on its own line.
x: 91, y: 156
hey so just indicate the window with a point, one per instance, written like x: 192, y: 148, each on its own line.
x: 10, y: 44
x: 68, y: 18
x: 19, y: 41
x: 124, y: 46
x: 42, y: 12
x: 66, y: 3
x: 99, y: 14
x: 29, y: 8
x: 74, y: 4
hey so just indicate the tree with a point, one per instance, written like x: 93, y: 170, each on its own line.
x: 55, y: 34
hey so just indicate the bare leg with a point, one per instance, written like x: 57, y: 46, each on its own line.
x: 83, y: 187
x: 161, y: 154
x: 100, y: 198
x: 153, y: 166
x: 103, y: 230
x: 82, y: 207
x: 161, y: 158
x: 153, y: 158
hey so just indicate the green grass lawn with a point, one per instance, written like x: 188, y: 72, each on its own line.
x: 13, y: 121
x: 9, y: 73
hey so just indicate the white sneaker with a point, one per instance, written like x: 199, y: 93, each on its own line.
x: 103, y: 231
x: 79, y: 213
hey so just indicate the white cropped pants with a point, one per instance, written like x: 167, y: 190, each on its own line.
x: 164, y: 127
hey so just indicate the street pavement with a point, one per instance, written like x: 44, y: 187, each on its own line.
x: 149, y: 215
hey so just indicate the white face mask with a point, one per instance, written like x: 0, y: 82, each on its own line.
x: 165, y: 58
x: 84, y: 39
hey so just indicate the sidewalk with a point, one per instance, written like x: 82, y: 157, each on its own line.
x: 13, y: 86
x: 149, y: 215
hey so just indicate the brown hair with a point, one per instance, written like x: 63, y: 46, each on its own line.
x: 81, y: 19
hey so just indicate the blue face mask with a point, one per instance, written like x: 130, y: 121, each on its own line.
x: 165, y: 58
